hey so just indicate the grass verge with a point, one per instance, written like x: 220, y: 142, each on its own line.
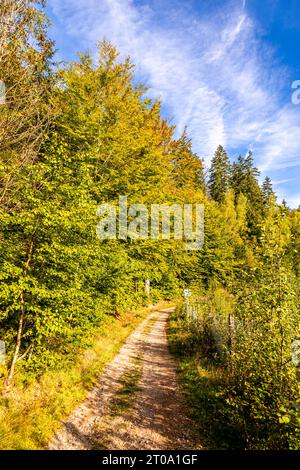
x: 202, y: 384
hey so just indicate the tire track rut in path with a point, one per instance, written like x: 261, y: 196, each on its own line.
x: 157, y: 419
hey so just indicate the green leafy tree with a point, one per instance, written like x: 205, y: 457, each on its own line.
x: 25, y: 69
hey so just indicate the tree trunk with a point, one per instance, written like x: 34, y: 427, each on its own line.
x: 21, y: 321
x: 18, y: 343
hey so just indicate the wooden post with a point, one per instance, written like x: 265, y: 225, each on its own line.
x: 231, y: 328
x: 2, y: 352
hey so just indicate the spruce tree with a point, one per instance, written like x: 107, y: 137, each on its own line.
x: 268, y: 194
x: 244, y: 180
x: 219, y: 172
x: 237, y: 175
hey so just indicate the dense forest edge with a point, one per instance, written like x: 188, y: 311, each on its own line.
x: 79, y: 134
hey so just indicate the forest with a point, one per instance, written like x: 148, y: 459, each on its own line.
x: 74, y: 135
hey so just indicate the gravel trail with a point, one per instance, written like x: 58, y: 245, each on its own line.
x: 154, y: 415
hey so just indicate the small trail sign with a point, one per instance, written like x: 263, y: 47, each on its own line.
x: 2, y: 93
x: 2, y: 352
x: 187, y: 293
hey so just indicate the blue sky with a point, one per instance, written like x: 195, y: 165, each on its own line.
x: 223, y: 68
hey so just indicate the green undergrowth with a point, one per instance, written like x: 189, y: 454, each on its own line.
x: 202, y: 383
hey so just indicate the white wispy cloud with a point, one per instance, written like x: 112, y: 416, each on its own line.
x: 212, y: 72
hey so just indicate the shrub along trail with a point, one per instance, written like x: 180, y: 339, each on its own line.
x: 137, y: 403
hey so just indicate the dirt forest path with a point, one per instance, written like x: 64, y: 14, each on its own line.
x: 137, y: 403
